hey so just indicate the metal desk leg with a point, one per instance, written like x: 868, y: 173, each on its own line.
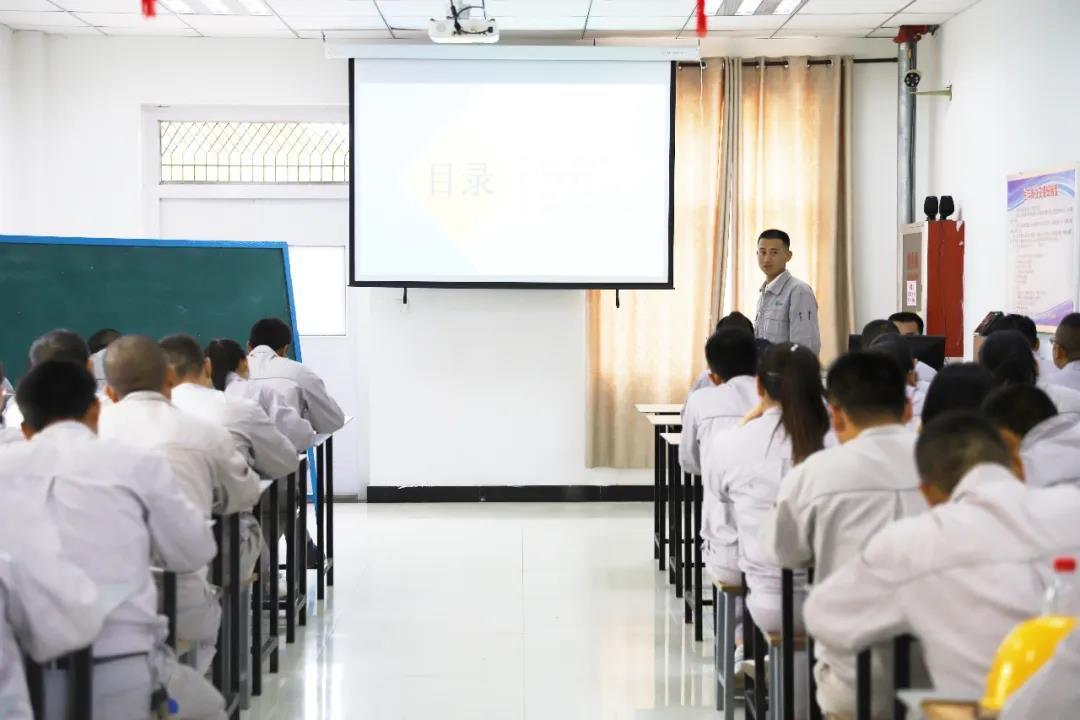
x: 328, y: 498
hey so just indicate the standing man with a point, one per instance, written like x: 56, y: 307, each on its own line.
x: 787, y: 310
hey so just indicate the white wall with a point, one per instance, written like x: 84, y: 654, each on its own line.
x: 7, y: 134
x: 1015, y: 107
x: 466, y: 387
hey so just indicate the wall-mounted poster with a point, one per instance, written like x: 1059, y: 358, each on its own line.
x: 1042, y: 245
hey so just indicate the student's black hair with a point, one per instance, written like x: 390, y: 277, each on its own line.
x: 867, y: 386
x: 225, y: 356
x: 908, y: 317
x: 1007, y: 355
x: 731, y: 352
x: 272, y: 332
x: 954, y: 443
x: 1019, y: 408
x: 774, y: 234
x: 1067, y: 336
x: 875, y: 329
x: 184, y: 353
x: 960, y: 386
x: 59, y: 345
x: 102, y: 339
x: 736, y: 320
x: 791, y: 375
x: 55, y: 390
x: 895, y: 347
x: 1020, y: 323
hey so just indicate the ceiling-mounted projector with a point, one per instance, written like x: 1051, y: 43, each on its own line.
x: 465, y: 24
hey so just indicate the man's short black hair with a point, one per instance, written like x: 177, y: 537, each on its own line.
x: 908, y: 317
x: 736, y: 320
x: 960, y: 386
x: 102, y: 339
x: 1008, y: 356
x: 184, y: 353
x: 1019, y: 408
x: 875, y: 329
x: 55, y: 390
x: 272, y: 332
x: 731, y: 352
x: 895, y: 347
x: 774, y: 234
x: 867, y: 386
x: 1021, y: 323
x: 59, y: 345
x: 954, y: 443
x: 1067, y: 336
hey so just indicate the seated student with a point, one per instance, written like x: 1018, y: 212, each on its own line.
x: 1067, y: 352
x: 732, y: 357
x: 1048, y: 444
x: 7, y: 395
x: 1007, y: 355
x: 211, y: 472
x: 734, y: 319
x: 98, y: 343
x: 1026, y: 327
x: 909, y: 324
x: 298, y: 384
x: 960, y: 386
x: 875, y: 329
x: 229, y: 373
x: 833, y: 503
x: 116, y: 508
x: 48, y: 605
x: 961, y: 576
x: 793, y: 425
x: 893, y: 346
x: 1052, y: 689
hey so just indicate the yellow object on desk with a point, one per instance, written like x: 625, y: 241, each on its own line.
x: 1023, y: 651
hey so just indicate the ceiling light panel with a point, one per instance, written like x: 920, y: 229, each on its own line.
x: 255, y: 7
x: 748, y: 7
x: 217, y: 7
x: 786, y: 7
x: 852, y: 7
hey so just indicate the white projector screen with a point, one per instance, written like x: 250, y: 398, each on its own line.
x: 511, y: 173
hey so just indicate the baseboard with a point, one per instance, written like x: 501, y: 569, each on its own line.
x: 511, y: 493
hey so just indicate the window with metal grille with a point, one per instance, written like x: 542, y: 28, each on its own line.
x: 221, y: 151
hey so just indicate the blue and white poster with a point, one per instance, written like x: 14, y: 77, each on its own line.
x: 1042, y: 245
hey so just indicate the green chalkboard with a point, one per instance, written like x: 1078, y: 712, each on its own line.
x: 150, y: 287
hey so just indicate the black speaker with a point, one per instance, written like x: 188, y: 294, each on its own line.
x: 947, y: 207
x: 930, y: 207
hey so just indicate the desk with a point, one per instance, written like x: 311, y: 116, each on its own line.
x: 659, y: 408
x: 225, y: 573
x: 660, y: 424
x: 676, y: 535
x: 296, y: 542
x: 80, y: 686
x: 266, y: 574
x: 324, y: 509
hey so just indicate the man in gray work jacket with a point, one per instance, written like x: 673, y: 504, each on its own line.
x: 787, y: 310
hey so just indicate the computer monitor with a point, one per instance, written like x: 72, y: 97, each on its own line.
x: 929, y: 349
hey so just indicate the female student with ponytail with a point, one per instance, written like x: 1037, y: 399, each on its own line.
x: 229, y: 373
x: 789, y: 425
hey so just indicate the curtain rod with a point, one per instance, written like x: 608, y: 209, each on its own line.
x: 781, y: 63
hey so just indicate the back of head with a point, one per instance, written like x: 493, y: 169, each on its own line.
x: 272, y: 332
x: 55, y: 390
x: 61, y: 345
x: 775, y: 234
x: 1007, y: 355
x: 1019, y: 408
x: 731, y: 352
x: 791, y: 375
x: 102, y: 339
x: 1020, y: 323
x: 1067, y: 337
x: 875, y: 329
x: 225, y: 357
x: 736, y: 320
x: 895, y: 347
x: 135, y: 363
x: 184, y: 354
x: 908, y: 318
x: 954, y: 443
x: 869, y: 387
x: 961, y: 386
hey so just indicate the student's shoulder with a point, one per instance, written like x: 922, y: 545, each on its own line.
x: 243, y: 408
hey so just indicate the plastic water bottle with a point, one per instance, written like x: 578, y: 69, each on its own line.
x: 1059, y: 599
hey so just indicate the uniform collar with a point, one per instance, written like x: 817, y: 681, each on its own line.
x: 978, y: 477
x: 65, y: 429
x: 883, y: 431
x: 777, y: 284
x: 1073, y: 367
x: 263, y: 351
x: 145, y: 396
x: 231, y: 378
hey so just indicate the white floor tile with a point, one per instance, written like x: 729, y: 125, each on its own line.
x: 493, y: 611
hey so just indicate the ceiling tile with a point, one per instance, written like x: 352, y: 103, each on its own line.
x: 662, y: 23
x: 182, y: 31
x: 103, y: 6
x: 236, y: 24
x: 335, y: 22
x: 868, y: 21
x: 65, y: 30
x: 24, y: 20
x: 745, y: 23
x: 885, y: 32
x: 311, y: 8
x: 908, y: 18
x: 643, y: 8
x: 413, y: 8
x: 383, y: 34
x: 940, y: 6
x: 530, y: 8
x: 555, y: 24
x: 852, y: 7
x: 133, y: 20
x: 829, y: 33
x: 27, y: 5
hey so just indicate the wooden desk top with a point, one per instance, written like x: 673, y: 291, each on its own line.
x: 774, y: 640
x: 664, y: 420
x: 672, y: 438
x: 959, y: 710
x: 658, y: 408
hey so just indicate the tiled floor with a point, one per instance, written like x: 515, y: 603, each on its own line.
x: 494, y: 611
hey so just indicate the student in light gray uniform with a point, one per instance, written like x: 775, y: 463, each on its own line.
x: 1007, y: 355
x: 99, y: 342
x: 1047, y: 443
x: 1067, y: 352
